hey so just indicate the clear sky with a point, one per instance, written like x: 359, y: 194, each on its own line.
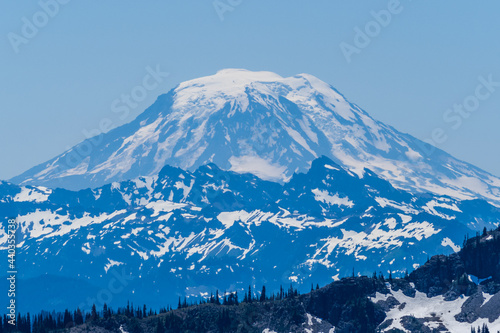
x: 67, y: 72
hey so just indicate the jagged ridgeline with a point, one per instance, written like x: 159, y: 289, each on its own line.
x: 455, y: 293
x: 189, y: 233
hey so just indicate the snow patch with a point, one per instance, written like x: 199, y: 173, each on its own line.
x: 448, y: 242
x: 258, y: 166
x: 325, y: 197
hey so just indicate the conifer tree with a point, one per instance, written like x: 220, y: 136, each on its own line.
x: 93, y: 312
x: 78, y: 317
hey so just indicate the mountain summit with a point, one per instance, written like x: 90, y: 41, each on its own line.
x: 265, y: 124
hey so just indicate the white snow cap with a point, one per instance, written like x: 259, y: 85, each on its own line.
x: 232, y: 84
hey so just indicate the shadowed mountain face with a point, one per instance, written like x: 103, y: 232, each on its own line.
x: 188, y: 233
x: 262, y: 123
x: 447, y: 294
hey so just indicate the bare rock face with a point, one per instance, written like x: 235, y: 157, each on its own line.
x: 388, y: 304
x: 403, y: 285
x: 478, y: 306
x: 470, y: 308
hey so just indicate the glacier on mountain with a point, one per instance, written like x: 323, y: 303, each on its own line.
x: 268, y: 125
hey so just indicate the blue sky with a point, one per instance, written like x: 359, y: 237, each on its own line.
x: 64, y: 78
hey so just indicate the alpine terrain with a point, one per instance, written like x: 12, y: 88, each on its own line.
x: 241, y: 178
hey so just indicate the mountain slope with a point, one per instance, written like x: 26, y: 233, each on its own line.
x: 447, y: 294
x: 262, y: 123
x: 198, y: 231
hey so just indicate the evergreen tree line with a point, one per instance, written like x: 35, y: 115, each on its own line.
x: 472, y: 243
x: 50, y: 321
x: 45, y: 322
x: 481, y: 254
x: 480, y: 329
x: 249, y: 297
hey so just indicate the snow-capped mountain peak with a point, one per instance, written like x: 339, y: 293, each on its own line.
x: 239, y: 87
x: 265, y: 124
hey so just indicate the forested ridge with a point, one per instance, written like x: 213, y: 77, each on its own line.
x: 344, y: 304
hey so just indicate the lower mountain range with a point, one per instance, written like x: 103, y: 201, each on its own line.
x: 455, y: 293
x: 180, y: 233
